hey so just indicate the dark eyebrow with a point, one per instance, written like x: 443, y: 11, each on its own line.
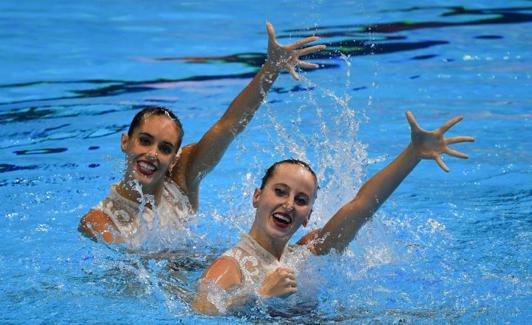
x: 299, y: 193
x: 304, y: 194
x: 146, y: 134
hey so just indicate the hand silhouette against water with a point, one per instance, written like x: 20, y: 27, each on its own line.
x: 430, y: 145
x: 282, y: 57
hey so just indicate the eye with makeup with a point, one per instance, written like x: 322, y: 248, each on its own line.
x: 145, y: 139
x: 166, y: 148
x: 301, y: 200
x: 280, y: 191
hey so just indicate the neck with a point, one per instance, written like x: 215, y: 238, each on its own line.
x: 273, y: 245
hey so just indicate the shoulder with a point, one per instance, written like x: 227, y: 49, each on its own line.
x: 94, y: 220
x: 224, y: 272
x: 96, y: 224
x: 308, y: 240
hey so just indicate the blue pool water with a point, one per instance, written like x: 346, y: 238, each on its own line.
x: 446, y: 248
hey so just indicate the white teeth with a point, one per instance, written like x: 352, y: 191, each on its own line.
x: 282, y: 217
x: 146, y: 166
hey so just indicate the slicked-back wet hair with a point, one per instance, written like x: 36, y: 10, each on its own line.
x: 148, y: 111
x: 271, y: 170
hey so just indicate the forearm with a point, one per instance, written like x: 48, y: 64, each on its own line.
x: 379, y: 187
x: 244, y: 106
x: 210, y: 149
x: 344, y: 225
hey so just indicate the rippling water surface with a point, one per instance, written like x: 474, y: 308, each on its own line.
x: 446, y: 248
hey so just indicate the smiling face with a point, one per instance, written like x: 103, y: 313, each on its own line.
x: 151, y: 151
x: 283, y: 204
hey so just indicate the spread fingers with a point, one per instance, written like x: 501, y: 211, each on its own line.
x: 459, y: 139
x: 441, y: 163
x: 307, y: 65
x: 302, y: 42
x: 293, y: 72
x: 310, y: 49
x: 450, y: 123
x: 412, y: 121
x: 457, y: 154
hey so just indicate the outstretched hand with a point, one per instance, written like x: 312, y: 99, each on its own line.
x: 430, y: 145
x: 282, y: 57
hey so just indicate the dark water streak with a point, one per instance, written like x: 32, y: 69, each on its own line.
x: 359, y: 40
x: 509, y: 15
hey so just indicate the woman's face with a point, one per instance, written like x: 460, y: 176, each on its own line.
x: 151, y: 151
x: 285, y: 202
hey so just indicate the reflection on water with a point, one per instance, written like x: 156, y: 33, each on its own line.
x: 356, y: 40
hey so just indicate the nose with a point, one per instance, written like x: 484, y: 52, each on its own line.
x: 289, y: 204
x: 152, y: 152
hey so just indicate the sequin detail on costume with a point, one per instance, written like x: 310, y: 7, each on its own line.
x: 135, y: 220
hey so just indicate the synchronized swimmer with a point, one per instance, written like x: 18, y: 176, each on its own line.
x: 283, y: 203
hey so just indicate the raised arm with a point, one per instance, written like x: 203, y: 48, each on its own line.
x: 344, y: 225
x: 204, y: 155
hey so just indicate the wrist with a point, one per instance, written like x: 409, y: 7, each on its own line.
x: 412, y: 152
x: 270, y: 67
x: 268, y: 74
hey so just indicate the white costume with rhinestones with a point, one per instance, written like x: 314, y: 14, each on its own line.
x: 135, y: 220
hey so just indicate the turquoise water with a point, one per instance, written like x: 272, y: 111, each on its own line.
x: 446, y: 248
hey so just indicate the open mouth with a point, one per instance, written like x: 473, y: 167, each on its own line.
x: 146, y: 168
x: 282, y: 220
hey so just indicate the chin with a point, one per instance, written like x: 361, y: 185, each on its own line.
x: 143, y: 180
x: 280, y: 234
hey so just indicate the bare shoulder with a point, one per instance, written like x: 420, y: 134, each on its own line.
x: 224, y: 272
x: 96, y: 224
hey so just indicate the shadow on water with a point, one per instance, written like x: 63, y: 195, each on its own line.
x: 357, y: 40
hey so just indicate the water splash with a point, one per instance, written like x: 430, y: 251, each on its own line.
x: 322, y: 130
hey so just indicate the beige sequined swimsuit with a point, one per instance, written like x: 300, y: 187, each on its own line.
x: 135, y: 220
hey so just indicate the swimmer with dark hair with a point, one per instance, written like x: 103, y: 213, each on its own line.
x: 160, y: 187
x: 256, y: 267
